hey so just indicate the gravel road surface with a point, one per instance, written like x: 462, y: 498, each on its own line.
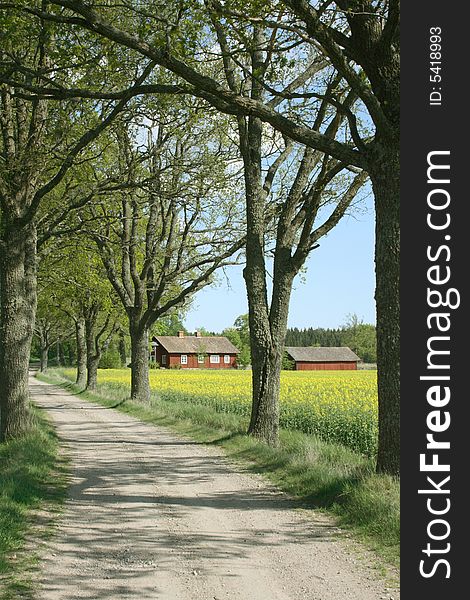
x: 151, y: 515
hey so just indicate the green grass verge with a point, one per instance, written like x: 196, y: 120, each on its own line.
x: 322, y: 475
x: 32, y: 479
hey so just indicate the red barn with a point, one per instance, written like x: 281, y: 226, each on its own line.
x: 323, y: 359
x: 194, y: 351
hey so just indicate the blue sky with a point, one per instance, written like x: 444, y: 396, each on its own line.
x: 339, y: 281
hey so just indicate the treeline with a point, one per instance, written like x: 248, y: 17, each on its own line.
x: 360, y: 337
x: 311, y: 336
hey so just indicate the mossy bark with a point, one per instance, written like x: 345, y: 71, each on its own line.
x: 18, y: 302
x: 140, y: 385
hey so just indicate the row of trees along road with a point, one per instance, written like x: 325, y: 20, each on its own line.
x: 324, y: 75
x: 75, y: 296
x: 174, y: 229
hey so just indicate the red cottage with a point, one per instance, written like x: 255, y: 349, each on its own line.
x: 194, y: 351
x: 323, y: 359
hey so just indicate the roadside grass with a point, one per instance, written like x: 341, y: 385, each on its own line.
x: 321, y: 475
x: 32, y: 479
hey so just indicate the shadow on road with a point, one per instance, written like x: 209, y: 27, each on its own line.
x: 138, y: 496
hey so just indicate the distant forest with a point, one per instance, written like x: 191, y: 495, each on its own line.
x: 358, y: 336
x: 315, y: 337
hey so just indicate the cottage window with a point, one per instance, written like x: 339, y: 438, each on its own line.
x: 163, y: 359
x: 200, y: 359
x: 184, y: 359
x: 215, y: 359
x: 227, y: 359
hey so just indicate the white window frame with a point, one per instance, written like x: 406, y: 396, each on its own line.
x: 184, y: 359
x: 163, y: 359
x: 214, y: 359
x: 226, y: 359
x: 201, y: 359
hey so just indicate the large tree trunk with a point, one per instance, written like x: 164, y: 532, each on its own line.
x: 140, y: 385
x: 17, y: 315
x: 264, y: 422
x: 266, y: 348
x: 385, y: 174
x: 267, y: 325
x: 383, y: 69
x: 81, y: 352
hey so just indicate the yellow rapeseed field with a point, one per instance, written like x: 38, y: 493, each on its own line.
x: 339, y: 406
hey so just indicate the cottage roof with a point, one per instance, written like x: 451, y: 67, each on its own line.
x: 190, y: 344
x: 322, y: 354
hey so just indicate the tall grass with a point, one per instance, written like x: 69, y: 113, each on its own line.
x: 30, y: 480
x: 323, y: 475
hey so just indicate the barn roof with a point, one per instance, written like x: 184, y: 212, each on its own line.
x: 322, y: 354
x: 190, y: 344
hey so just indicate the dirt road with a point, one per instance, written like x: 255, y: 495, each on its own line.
x: 153, y: 516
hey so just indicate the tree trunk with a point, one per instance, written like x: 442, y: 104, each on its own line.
x: 94, y: 344
x: 122, y: 349
x: 44, y: 358
x: 264, y: 422
x: 81, y: 352
x: 17, y: 315
x: 92, y: 356
x: 385, y: 177
x: 266, y: 348
x: 70, y: 354
x: 140, y: 385
x: 92, y: 373
x: 60, y: 354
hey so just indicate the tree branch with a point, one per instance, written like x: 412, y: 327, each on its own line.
x: 207, y: 88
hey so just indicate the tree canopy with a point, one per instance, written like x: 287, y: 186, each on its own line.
x: 298, y: 98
